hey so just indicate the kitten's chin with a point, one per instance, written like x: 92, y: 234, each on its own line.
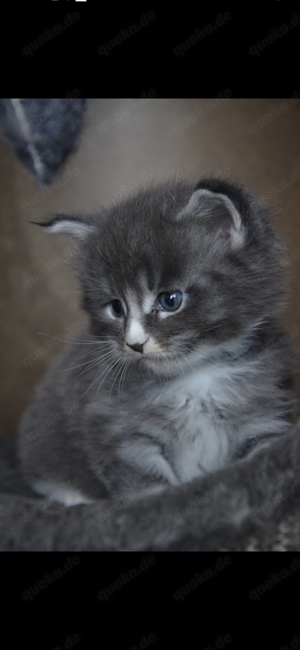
x: 161, y: 365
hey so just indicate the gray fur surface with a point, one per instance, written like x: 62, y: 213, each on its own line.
x: 214, y: 380
x: 251, y: 505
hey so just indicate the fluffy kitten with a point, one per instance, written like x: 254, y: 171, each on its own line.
x: 184, y: 367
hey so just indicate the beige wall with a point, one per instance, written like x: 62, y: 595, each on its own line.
x: 126, y: 144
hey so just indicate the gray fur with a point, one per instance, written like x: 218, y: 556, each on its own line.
x: 221, y: 388
x: 42, y: 132
x: 251, y: 505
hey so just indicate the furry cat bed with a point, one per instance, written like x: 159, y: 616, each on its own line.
x: 252, y: 505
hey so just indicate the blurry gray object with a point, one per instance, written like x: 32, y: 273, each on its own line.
x: 42, y: 132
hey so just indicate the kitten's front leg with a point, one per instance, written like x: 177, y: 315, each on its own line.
x: 133, y: 466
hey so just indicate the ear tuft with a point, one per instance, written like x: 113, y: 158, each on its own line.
x: 218, y: 210
x: 76, y: 227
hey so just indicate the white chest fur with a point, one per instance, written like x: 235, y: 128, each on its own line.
x: 189, y: 433
x: 200, y: 441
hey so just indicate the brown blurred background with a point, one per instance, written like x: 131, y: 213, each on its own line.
x: 125, y: 144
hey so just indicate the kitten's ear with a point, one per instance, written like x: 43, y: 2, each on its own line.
x: 74, y: 226
x: 219, y: 212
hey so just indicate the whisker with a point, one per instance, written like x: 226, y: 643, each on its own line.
x: 106, y: 371
x: 112, y: 385
x: 93, y: 363
x: 122, y: 378
x: 99, y: 358
x: 78, y: 341
x: 91, y: 352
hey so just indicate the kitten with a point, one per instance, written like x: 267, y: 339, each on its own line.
x: 184, y: 367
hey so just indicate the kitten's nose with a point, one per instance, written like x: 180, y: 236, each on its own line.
x: 137, y: 347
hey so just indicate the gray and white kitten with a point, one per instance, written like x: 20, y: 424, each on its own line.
x: 184, y: 367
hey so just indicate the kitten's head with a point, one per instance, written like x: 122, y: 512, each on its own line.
x: 177, y: 272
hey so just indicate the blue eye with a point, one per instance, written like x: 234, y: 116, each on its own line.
x: 117, y: 308
x: 170, y: 301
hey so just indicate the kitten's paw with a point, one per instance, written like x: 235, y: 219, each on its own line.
x: 60, y: 492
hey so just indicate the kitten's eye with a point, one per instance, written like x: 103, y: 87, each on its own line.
x: 117, y: 308
x: 170, y: 301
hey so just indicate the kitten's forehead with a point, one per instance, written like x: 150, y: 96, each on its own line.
x: 160, y: 259
x: 147, y: 250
